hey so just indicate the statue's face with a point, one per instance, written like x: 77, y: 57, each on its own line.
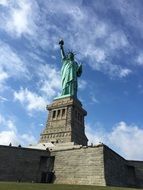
x: 70, y: 56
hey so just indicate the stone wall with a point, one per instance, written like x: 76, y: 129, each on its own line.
x: 23, y: 164
x: 138, y: 165
x: 80, y: 166
x: 97, y: 165
x: 93, y: 165
x: 117, y: 170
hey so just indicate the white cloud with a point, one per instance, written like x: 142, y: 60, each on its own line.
x: 94, y: 99
x: 75, y: 8
x: 140, y: 88
x: 95, y: 136
x: 3, y: 77
x: 19, y: 20
x: 27, y: 139
x: 82, y: 84
x: 124, y: 72
x: 26, y: 17
x: 124, y: 139
x: 50, y: 80
x: 49, y: 86
x: 30, y: 100
x: 85, y: 41
x: 117, y: 40
x: 11, y: 65
x: 101, y: 30
x: 9, y: 133
x: 4, y: 2
x: 99, y: 43
x: 7, y: 137
x: 10, y: 136
x: 98, y: 55
x: 139, y: 60
x: 128, y: 139
x: 133, y: 16
x: 2, y: 120
x: 101, y: 63
x: 10, y: 124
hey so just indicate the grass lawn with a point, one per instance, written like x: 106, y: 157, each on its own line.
x: 39, y: 186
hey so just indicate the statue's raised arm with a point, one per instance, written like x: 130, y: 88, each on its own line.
x: 61, y: 42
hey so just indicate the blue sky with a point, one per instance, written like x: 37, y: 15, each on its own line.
x: 107, y: 36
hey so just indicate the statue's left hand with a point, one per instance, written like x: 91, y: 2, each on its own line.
x: 79, y: 71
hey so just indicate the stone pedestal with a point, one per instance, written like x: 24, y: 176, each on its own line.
x: 65, y: 122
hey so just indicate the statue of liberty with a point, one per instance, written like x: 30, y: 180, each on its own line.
x: 70, y: 71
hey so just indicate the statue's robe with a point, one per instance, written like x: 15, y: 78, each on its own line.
x: 70, y: 71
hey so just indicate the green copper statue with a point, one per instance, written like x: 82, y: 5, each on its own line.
x: 70, y: 71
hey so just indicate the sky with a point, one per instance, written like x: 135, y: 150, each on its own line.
x: 107, y: 37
